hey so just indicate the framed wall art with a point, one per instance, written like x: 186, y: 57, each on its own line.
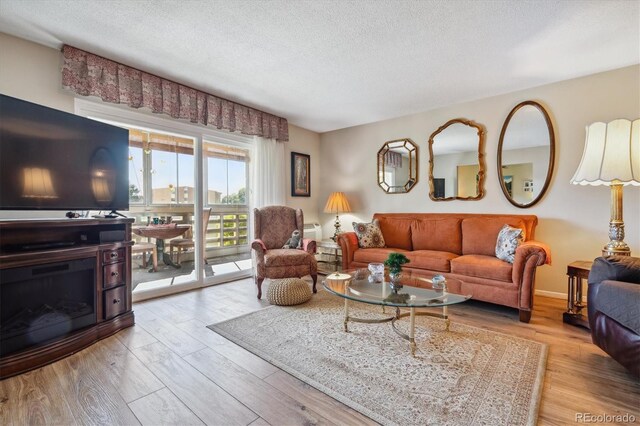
x: 300, y: 175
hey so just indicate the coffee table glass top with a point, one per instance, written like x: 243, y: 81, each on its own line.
x: 362, y: 287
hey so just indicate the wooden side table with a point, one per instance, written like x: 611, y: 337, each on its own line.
x: 330, y: 254
x: 576, y: 272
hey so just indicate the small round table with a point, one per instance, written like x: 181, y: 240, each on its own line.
x: 161, y: 233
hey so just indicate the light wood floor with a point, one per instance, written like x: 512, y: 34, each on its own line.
x: 170, y: 369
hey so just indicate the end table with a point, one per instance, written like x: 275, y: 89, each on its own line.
x: 330, y: 254
x: 576, y: 272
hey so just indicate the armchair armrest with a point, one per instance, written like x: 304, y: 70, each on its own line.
x: 528, y: 257
x: 309, y: 245
x: 623, y: 269
x: 348, y: 242
x: 259, y: 246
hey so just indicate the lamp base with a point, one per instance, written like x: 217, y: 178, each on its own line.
x: 336, y: 225
x: 616, y: 245
x: 616, y: 249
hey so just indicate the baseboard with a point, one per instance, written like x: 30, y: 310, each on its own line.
x: 556, y: 295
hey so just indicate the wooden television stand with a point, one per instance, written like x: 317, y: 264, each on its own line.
x: 64, y: 285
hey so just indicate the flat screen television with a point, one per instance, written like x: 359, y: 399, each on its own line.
x: 53, y: 160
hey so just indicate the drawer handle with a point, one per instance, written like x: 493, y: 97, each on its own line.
x: 114, y: 274
x: 114, y: 255
x: 116, y: 301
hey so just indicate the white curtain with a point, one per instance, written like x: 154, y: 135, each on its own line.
x: 268, y: 178
x: 268, y: 173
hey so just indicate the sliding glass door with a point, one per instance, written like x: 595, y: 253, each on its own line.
x: 225, y: 195
x: 162, y: 192
x: 189, y: 194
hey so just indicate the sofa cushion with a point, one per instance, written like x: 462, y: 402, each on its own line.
x: 437, y: 234
x: 431, y: 259
x: 479, y: 235
x: 481, y: 266
x: 369, y: 234
x: 375, y: 255
x: 286, y: 257
x: 397, y: 232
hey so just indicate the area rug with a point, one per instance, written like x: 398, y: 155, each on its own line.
x: 463, y: 376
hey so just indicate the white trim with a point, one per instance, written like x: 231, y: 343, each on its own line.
x: 140, y: 295
x: 556, y: 295
x: 150, y: 121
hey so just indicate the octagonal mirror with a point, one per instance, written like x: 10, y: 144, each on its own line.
x: 398, y: 166
x: 456, y: 161
x: 526, y: 154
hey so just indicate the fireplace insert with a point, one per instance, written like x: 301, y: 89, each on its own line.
x: 46, y: 301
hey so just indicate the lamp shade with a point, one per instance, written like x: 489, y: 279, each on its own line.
x: 611, y: 154
x: 37, y: 183
x: 337, y: 203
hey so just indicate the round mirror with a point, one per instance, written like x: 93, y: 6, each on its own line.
x: 526, y: 154
x: 398, y: 166
x: 456, y: 161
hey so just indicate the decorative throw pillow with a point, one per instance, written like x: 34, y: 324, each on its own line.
x: 369, y: 234
x: 508, y: 241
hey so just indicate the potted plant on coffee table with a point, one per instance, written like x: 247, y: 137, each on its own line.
x: 394, y: 262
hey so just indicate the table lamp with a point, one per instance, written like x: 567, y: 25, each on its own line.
x: 612, y: 157
x: 337, y: 203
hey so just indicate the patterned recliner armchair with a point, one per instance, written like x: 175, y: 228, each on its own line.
x: 273, y: 226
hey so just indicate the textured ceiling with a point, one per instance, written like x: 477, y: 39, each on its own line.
x: 326, y: 65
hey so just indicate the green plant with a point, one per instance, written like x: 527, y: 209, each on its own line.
x: 395, y: 261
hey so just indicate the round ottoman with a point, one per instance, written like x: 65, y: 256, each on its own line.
x: 288, y: 291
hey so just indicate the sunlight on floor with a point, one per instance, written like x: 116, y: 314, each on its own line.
x: 219, y: 269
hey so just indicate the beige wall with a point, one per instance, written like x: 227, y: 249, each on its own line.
x: 31, y: 72
x: 305, y: 142
x: 573, y: 220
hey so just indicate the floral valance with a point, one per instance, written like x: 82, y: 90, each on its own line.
x: 90, y: 75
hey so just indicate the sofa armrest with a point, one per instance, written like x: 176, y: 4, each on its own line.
x: 535, y: 248
x: 309, y: 245
x: 348, y: 242
x: 528, y: 257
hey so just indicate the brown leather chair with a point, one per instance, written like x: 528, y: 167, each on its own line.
x: 184, y: 244
x: 613, y: 302
x: 273, y: 226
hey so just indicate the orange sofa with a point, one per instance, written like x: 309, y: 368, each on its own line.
x: 460, y: 246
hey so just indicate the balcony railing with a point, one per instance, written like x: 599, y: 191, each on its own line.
x: 227, y: 232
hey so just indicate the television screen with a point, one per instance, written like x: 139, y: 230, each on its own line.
x: 53, y: 160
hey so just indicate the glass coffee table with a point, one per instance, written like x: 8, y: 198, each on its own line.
x: 414, y: 291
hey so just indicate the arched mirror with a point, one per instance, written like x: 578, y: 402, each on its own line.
x: 526, y: 154
x: 398, y: 166
x: 456, y: 161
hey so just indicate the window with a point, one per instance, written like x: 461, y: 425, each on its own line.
x: 136, y: 173
x: 226, y: 174
x: 163, y: 165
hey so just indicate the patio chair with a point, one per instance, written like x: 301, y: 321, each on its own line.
x: 273, y: 226
x: 183, y: 244
x: 144, y: 248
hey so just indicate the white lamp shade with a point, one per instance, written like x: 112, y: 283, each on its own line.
x: 611, y: 154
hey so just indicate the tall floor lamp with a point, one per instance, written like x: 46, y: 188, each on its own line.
x: 612, y: 157
x: 337, y: 203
